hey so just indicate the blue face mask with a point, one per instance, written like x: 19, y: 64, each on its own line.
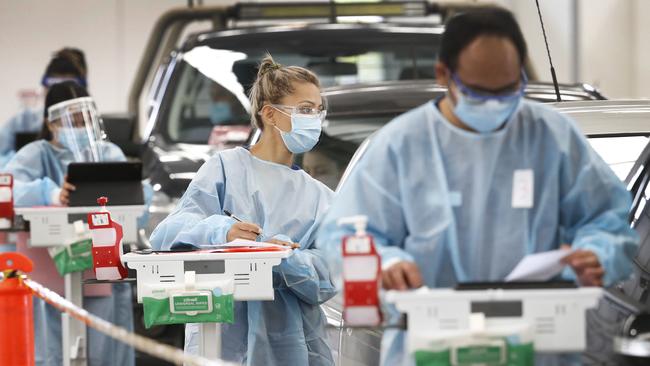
x: 220, y: 112
x: 486, y: 114
x: 304, y: 134
x: 73, y: 139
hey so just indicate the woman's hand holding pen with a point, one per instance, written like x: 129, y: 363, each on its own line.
x: 243, y: 230
x: 248, y: 231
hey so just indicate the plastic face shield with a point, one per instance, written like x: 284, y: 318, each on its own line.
x: 78, y: 128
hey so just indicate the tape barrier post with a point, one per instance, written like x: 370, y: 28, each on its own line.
x: 16, y: 311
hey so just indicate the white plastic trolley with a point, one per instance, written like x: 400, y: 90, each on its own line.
x: 169, y: 272
x: 54, y: 226
x: 556, y: 316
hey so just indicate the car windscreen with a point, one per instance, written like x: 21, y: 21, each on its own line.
x: 211, y: 83
x: 337, y: 55
x: 204, y: 101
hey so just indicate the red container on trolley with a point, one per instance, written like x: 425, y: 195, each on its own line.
x: 16, y: 312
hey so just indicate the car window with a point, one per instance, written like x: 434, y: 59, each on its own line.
x: 338, y: 56
x: 202, y: 104
x: 620, y: 153
x: 341, y: 137
x: 208, y: 77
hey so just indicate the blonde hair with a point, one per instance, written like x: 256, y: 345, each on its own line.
x: 273, y: 83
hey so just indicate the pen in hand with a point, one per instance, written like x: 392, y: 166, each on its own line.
x: 229, y: 214
x: 242, y: 229
x: 260, y: 233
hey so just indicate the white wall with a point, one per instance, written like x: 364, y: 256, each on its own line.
x: 641, y: 67
x: 612, y: 52
x: 557, y: 15
x: 112, y: 33
x: 600, y: 42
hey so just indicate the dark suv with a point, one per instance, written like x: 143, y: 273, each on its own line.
x: 198, y: 101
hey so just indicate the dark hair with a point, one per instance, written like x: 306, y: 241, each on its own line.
x: 77, y: 57
x: 61, y: 65
x: 464, y: 28
x: 56, y: 94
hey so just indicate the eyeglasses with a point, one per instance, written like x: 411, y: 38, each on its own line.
x: 303, y: 110
x: 482, y: 96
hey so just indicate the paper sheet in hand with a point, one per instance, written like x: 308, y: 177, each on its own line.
x: 539, y: 266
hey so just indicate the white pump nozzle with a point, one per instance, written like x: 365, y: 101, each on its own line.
x: 360, y: 223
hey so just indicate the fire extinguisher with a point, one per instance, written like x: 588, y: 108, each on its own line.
x: 16, y: 312
x: 107, y: 244
x: 6, y: 201
x: 361, y: 275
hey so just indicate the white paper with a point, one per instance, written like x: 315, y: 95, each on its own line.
x: 523, y: 188
x: 539, y: 266
x: 247, y: 243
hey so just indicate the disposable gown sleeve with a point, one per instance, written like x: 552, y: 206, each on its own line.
x: 7, y: 135
x: 31, y: 186
x: 366, y: 193
x: 148, y: 197
x: 112, y: 152
x: 197, y: 220
x: 594, y: 211
x: 305, y: 272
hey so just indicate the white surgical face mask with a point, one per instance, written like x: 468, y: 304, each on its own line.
x: 487, y: 116
x: 75, y: 138
x: 486, y: 113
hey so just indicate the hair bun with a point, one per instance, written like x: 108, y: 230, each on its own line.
x: 268, y: 65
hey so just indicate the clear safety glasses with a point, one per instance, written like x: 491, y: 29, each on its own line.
x: 303, y: 111
x: 476, y: 96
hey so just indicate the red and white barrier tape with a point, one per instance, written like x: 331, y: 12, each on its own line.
x: 143, y: 344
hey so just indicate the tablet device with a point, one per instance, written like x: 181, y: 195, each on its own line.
x: 121, y: 182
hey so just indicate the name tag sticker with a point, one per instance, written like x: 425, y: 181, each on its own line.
x: 456, y: 199
x: 523, y: 188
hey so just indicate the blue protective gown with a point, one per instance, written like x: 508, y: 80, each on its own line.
x: 442, y: 197
x: 38, y: 168
x: 286, y: 203
x: 27, y: 120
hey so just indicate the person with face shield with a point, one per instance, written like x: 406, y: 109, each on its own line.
x: 462, y: 188
x: 280, y: 204
x: 67, y: 64
x: 72, y: 132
